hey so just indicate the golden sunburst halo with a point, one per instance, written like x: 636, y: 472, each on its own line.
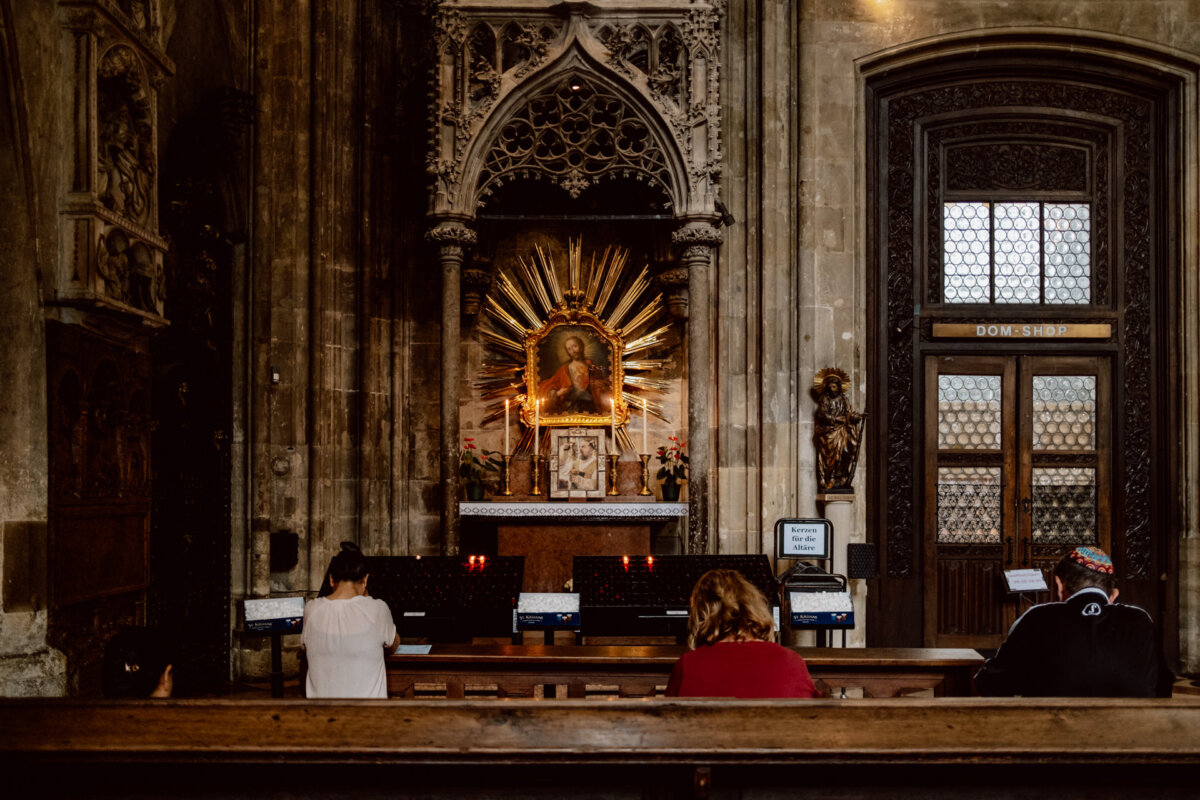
x: 617, y: 322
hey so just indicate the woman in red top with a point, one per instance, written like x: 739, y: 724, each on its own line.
x: 729, y: 630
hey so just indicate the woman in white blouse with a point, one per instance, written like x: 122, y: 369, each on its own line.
x: 345, y: 633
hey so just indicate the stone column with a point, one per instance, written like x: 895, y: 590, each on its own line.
x: 698, y: 239
x: 452, y: 238
x: 839, y: 510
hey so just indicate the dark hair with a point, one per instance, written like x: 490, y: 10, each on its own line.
x: 348, y: 565
x: 1076, y: 576
x: 134, y: 661
x: 726, y: 605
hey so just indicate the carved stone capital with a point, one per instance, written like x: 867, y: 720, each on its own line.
x: 674, y: 284
x: 451, y: 236
x: 475, y: 284
x: 694, y: 234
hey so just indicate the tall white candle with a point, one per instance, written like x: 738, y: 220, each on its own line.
x: 645, y: 425
x: 537, y: 421
x: 506, y: 429
x: 612, y: 407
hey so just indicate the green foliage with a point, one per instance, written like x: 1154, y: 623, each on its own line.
x: 475, y: 462
x: 674, y: 462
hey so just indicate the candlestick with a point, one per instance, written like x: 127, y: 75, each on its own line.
x: 612, y: 407
x: 506, y: 428
x: 536, y: 466
x: 645, y: 490
x: 505, y: 485
x: 645, y: 425
x: 613, y: 458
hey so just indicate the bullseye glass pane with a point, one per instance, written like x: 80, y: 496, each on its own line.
x: 1064, y: 505
x: 1067, y: 238
x: 966, y: 253
x: 968, y: 412
x: 968, y: 505
x: 1018, y: 238
x: 1064, y: 412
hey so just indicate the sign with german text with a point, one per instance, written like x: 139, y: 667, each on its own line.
x: 804, y: 538
x: 1021, y: 330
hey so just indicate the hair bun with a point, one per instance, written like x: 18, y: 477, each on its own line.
x: 350, y: 547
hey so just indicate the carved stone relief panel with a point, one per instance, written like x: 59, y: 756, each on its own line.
x: 111, y: 248
x: 654, y: 69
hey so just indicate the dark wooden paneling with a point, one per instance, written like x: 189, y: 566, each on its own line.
x: 1026, y: 106
x: 970, y: 600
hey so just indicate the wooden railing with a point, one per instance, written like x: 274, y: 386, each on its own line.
x: 1018, y: 748
x: 510, y: 671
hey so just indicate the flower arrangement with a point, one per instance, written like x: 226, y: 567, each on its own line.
x: 474, y: 461
x: 674, y: 462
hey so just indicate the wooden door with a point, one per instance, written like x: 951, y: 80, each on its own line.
x: 1017, y: 471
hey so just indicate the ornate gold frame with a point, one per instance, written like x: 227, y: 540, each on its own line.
x: 534, y: 352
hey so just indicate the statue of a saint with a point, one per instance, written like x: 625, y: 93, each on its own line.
x: 838, y: 431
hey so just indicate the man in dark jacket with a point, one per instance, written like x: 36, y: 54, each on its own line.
x: 1085, y: 645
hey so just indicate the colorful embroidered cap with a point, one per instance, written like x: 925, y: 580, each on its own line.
x: 1092, y: 558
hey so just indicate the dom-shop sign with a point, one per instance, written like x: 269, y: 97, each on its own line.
x: 1021, y: 330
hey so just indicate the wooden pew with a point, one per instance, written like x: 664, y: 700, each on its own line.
x: 511, y: 671
x: 954, y: 747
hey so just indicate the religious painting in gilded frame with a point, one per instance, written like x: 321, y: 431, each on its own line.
x: 573, y: 363
x: 577, y: 463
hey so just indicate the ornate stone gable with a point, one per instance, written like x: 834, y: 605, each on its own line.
x: 574, y: 92
x: 111, y: 254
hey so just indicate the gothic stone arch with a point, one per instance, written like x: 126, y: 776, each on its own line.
x: 654, y: 71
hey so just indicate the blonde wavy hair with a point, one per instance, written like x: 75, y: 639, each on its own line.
x: 724, y: 605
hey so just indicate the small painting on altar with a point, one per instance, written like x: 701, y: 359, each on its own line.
x: 577, y: 465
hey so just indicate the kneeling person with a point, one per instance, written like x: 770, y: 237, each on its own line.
x: 1085, y: 645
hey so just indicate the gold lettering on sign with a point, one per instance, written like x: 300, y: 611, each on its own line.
x: 1021, y: 330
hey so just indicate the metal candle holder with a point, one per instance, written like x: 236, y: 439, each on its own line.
x: 613, y: 458
x: 536, y: 478
x: 645, y: 490
x: 505, y: 478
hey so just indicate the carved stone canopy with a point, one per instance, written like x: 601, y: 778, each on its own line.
x: 111, y: 249
x: 574, y: 93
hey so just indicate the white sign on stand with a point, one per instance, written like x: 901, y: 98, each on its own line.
x: 1025, y: 580
x: 804, y: 538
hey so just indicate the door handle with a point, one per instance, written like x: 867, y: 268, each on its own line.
x: 1026, y: 505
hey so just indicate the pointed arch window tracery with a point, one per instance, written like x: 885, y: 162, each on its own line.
x: 574, y: 135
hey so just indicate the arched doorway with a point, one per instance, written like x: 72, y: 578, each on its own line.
x: 1023, y: 208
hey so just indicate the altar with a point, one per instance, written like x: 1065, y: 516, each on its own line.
x: 550, y: 534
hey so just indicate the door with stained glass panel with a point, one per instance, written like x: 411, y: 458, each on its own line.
x: 1017, y: 471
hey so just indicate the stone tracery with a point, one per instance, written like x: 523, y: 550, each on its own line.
x: 575, y: 134
x: 485, y: 58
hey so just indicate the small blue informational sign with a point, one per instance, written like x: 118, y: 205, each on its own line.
x: 275, y: 615
x: 822, y: 619
x: 809, y: 539
x: 547, y: 610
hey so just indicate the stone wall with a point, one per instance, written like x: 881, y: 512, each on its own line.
x: 29, y: 75
x: 341, y: 297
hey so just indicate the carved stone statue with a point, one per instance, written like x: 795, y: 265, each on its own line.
x: 838, y: 431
